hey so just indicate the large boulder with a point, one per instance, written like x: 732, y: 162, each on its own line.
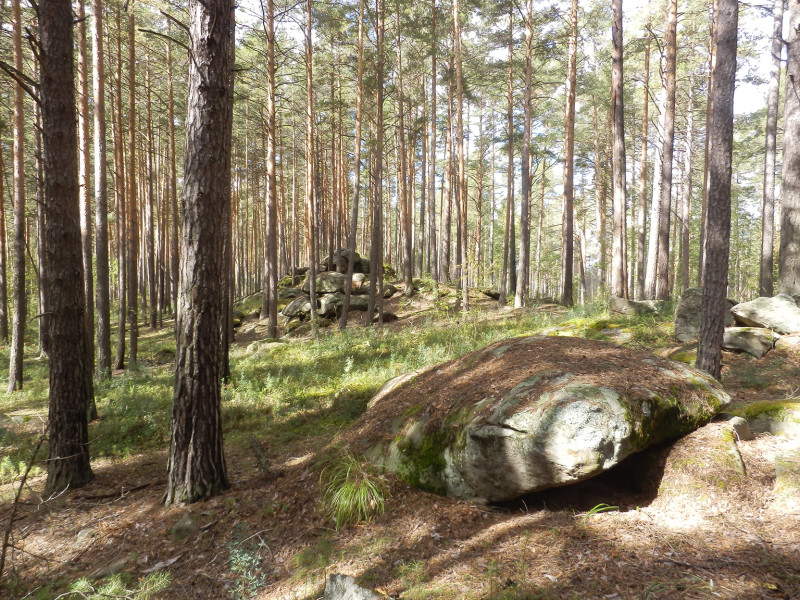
x: 531, y: 413
x: 624, y: 306
x: 300, y: 308
x: 755, y: 341
x: 780, y: 313
x: 688, y: 313
x: 328, y: 282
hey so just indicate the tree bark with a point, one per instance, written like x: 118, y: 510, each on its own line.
x: 789, y: 256
x: 18, y: 250
x: 567, y: 217
x: 196, y: 468
x: 131, y: 204
x: 712, y: 324
x: 619, y: 275
x: 68, y: 461
x: 269, y: 305
x: 509, y: 242
x: 639, y: 293
x: 102, y: 296
x: 459, y: 141
x: 432, y: 245
x: 521, y: 294
x: 765, y: 287
x: 351, y: 240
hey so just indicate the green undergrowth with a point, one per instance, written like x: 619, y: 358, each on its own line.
x: 282, y: 392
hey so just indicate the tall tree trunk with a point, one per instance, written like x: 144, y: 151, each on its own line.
x: 120, y: 189
x: 524, y: 216
x: 459, y: 141
x: 712, y: 61
x: 3, y: 257
x: 149, y: 225
x: 351, y: 240
x: 68, y: 461
x: 403, y: 191
x: 567, y: 217
x: 509, y: 243
x: 102, y: 297
x: 714, y: 301
x: 196, y: 468
x: 619, y: 275
x: 269, y: 305
x: 641, y: 213
x: 173, y: 177
x: 686, y: 207
x: 311, y: 205
x: 18, y: 250
x: 601, y: 197
x: 765, y: 287
x: 376, y: 252
x: 132, y: 218
x: 670, y: 43
x: 432, y: 245
x: 789, y: 255
x: 85, y: 194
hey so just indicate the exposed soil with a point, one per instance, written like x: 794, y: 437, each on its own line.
x: 737, y: 543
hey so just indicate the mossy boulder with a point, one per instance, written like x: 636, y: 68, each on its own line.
x: 328, y: 282
x: 701, y: 470
x: 624, y: 306
x: 777, y: 417
x: 530, y: 413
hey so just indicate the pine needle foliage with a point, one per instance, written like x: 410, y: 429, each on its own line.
x: 352, y: 492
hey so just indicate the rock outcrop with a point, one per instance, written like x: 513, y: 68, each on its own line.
x: 780, y: 313
x: 530, y: 413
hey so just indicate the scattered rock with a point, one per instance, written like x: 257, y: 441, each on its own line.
x: 494, y: 295
x: 631, y: 307
x: 299, y: 307
x: 344, y: 587
x: 742, y: 429
x: 780, y: 313
x: 777, y: 417
x: 184, y: 528
x: 289, y: 293
x: 530, y: 413
x: 85, y: 536
x: 688, y: 313
x: 787, y: 342
x: 329, y: 304
x: 328, y: 282
x: 755, y: 341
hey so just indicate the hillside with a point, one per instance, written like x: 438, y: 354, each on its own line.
x: 690, y: 527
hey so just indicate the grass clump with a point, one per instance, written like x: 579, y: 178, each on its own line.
x: 117, y: 586
x: 352, y: 492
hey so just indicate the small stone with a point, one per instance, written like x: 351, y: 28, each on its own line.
x: 84, y: 535
x: 344, y: 587
x: 742, y: 429
x: 184, y: 528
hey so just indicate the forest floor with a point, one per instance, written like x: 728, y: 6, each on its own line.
x: 269, y: 536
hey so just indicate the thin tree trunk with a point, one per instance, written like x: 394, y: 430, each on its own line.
x: 509, y: 250
x: 765, y: 287
x: 642, y: 211
x: 120, y: 187
x: 432, y: 245
x: 351, y: 240
x: 524, y: 217
x: 403, y: 191
x: 18, y: 250
x: 132, y: 246
x: 567, y: 217
x: 619, y: 276
x: 686, y: 209
x: 712, y: 61
x: 459, y: 141
x: 102, y: 297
